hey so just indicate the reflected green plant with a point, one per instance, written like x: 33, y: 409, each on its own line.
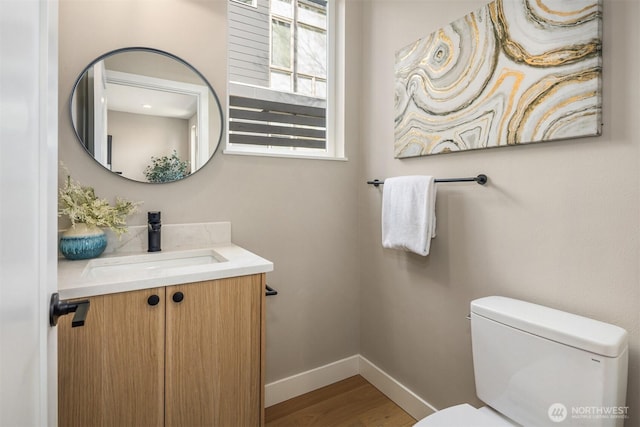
x: 166, y: 168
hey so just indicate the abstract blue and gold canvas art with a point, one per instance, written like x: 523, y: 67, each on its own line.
x: 513, y: 72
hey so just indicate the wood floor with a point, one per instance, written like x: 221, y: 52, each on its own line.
x: 351, y: 402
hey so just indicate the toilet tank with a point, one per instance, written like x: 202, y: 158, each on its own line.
x: 540, y: 366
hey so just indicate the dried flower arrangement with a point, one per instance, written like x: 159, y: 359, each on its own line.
x: 82, y: 205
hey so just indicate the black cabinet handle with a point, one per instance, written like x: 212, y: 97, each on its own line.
x: 59, y: 307
x: 270, y: 291
x: 153, y: 300
x: 177, y: 297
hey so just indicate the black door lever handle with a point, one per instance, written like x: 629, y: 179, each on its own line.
x: 60, y: 307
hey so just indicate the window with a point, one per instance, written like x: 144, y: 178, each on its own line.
x: 283, y: 75
x: 299, y: 46
x: 281, y: 45
x: 253, y: 3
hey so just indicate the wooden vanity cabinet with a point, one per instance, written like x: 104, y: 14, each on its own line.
x: 213, y: 353
x: 110, y: 371
x: 195, y: 358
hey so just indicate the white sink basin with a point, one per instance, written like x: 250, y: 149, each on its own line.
x: 147, y: 263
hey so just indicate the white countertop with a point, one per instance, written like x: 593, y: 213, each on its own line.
x: 74, y: 282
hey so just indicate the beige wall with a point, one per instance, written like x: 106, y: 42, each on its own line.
x: 301, y: 214
x: 138, y: 137
x: 557, y: 224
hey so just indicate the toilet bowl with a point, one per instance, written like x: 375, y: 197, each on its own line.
x: 533, y: 365
x: 465, y: 415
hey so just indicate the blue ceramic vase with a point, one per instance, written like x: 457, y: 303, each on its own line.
x: 82, y: 242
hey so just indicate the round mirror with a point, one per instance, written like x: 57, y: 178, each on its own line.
x: 146, y: 115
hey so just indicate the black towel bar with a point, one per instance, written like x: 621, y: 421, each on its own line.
x: 480, y: 179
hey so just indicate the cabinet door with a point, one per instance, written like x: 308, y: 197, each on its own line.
x: 111, y: 370
x: 214, y: 353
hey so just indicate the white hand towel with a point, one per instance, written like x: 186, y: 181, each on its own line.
x: 409, y: 213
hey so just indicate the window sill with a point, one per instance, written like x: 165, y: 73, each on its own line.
x: 305, y: 156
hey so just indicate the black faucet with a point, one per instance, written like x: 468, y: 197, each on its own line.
x: 153, y: 219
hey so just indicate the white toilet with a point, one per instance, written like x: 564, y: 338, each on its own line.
x: 536, y: 366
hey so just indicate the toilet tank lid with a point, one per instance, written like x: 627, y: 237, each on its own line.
x: 566, y: 328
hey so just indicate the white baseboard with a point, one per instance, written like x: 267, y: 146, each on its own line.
x: 296, y: 385
x: 394, y: 390
x: 287, y: 388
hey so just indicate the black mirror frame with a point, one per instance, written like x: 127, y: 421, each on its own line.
x: 148, y: 50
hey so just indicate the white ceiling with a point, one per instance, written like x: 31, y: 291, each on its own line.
x: 131, y: 99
